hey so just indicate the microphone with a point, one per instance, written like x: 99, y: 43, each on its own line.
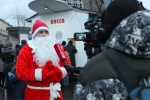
x: 59, y: 50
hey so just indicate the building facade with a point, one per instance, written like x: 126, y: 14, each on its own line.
x: 93, y: 5
x: 3, y: 31
x: 16, y: 34
x: 74, y: 3
x: 63, y: 23
x: 64, y: 20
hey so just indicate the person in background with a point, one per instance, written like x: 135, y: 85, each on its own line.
x: 126, y: 34
x: 8, y: 55
x: 64, y: 44
x: 2, y: 75
x: 17, y: 46
x: 71, y: 50
x: 65, y: 80
x: 38, y: 65
x: 18, y: 86
x: 23, y: 43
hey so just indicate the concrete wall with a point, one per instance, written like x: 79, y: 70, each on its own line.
x: 23, y: 37
x: 14, y: 39
x: 16, y: 34
x: 3, y: 31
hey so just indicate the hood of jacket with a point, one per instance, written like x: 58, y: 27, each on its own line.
x: 132, y: 35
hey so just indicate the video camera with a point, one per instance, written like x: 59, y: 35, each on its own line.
x: 93, y: 26
x: 91, y: 46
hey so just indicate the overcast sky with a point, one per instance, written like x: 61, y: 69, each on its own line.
x: 9, y: 8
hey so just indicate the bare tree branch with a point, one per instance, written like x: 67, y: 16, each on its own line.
x: 20, y: 18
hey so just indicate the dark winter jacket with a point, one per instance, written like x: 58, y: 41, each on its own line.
x: 116, y: 11
x: 8, y: 54
x: 71, y: 50
x: 1, y: 46
x: 18, y: 86
x: 131, y: 40
x: 99, y: 68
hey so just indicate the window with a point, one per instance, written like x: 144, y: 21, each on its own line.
x: 74, y: 3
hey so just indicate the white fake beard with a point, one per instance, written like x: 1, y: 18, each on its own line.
x: 43, y: 49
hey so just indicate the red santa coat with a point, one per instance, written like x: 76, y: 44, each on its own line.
x: 25, y: 68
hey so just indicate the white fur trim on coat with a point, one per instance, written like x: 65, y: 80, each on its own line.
x: 38, y: 74
x: 54, y: 88
x: 64, y: 72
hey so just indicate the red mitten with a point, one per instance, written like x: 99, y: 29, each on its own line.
x: 49, y: 65
x: 38, y: 72
x: 51, y: 73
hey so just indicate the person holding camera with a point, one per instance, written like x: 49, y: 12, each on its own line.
x: 38, y: 65
x: 23, y: 43
x: 127, y: 39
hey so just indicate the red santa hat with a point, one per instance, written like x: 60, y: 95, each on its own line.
x: 38, y: 25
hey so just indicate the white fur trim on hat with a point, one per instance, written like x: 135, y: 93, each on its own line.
x: 38, y: 74
x: 39, y: 28
x: 64, y: 72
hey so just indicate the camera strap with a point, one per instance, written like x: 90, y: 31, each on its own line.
x: 127, y: 75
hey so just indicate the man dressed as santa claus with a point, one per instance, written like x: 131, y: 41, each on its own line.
x: 39, y: 65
